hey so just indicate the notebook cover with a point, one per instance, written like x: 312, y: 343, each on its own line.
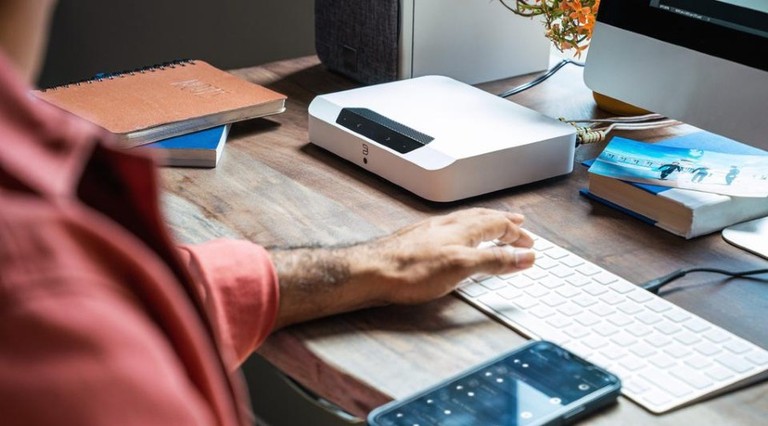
x: 163, y: 101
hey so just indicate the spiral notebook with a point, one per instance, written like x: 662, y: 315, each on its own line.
x: 164, y: 101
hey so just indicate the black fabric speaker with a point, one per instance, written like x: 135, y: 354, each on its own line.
x: 359, y: 38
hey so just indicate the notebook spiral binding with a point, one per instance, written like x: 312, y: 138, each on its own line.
x: 121, y: 74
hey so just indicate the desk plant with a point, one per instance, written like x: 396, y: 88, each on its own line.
x: 568, y: 23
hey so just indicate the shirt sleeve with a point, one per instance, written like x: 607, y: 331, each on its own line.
x: 237, y: 282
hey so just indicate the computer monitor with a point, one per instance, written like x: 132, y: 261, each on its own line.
x: 703, y: 62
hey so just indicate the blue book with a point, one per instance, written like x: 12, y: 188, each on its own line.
x: 683, y: 212
x: 197, y: 149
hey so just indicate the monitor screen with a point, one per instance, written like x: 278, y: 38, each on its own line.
x: 704, y: 62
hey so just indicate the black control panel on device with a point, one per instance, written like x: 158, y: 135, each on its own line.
x: 383, y: 130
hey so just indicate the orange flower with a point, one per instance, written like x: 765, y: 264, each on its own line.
x: 568, y: 23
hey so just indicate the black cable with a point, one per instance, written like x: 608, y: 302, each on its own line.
x: 550, y: 73
x: 656, y: 284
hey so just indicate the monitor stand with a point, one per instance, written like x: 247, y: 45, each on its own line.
x: 751, y: 236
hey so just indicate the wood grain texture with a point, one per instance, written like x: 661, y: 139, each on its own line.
x: 273, y: 187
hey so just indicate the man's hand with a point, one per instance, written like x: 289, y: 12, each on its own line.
x: 419, y: 263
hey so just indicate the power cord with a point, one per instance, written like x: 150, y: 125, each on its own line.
x: 594, y: 133
x: 655, y: 285
x: 541, y: 79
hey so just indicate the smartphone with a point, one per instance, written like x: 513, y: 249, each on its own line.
x: 539, y: 383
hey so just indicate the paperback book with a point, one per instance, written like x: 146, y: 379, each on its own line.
x: 197, y: 149
x: 684, y: 212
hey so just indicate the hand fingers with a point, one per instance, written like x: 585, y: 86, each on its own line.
x: 481, y: 224
x: 499, y: 259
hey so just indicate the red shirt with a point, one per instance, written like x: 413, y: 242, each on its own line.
x: 102, y: 319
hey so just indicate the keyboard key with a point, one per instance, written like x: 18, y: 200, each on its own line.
x: 630, y: 308
x: 737, y: 347
x: 559, y: 322
x: 551, y: 282
x: 578, y: 280
x: 759, y: 358
x: 659, y: 306
x: 519, y: 281
x: 718, y: 372
x: 620, y: 320
x: 668, y: 328
x: 605, y: 278
x: 643, y: 350
x: 692, y: 377
x: 568, y: 292
x: 595, y: 289
x: 707, y: 348
x: 584, y: 301
x: 697, y: 325
x: 716, y: 336
x: 633, y: 364
x: 648, y: 318
x: 570, y: 310
x: 658, y: 340
x: 587, y: 319
x: 687, y: 338
x: 612, y: 298
x: 571, y: 261
x: 542, y: 311
x: 473, y: 290
x: 576, y: 331
x: 638, y: 330
x: 640, y: 295
x: 561, y: 271
x: 624, y: 340
x: 510, y: 293
x: 678, y: 315
x: 622, y: 287
x: 545, y: 262
x: 602, y: 310
x: 525, y: 302
x: 734, y: 363
x: 678, y: 351
x: 493, y: 283
x: 698, y: 362
x: 588, y: 269
x: 535, y: 273
x: 665, y: 381
x: 537, y: 291
x: 604, y: 329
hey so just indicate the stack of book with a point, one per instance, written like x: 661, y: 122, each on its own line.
x: 181, y: 109
x: 684, y: 212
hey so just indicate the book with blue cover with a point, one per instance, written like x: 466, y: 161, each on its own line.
x: 684, y: 212
x: 197, y: 149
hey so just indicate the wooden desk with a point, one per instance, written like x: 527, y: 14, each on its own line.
x: 275, y: 188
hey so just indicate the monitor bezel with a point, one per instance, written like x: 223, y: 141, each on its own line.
x: 712, y: 39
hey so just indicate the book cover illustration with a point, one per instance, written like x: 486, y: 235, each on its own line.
x: 742, y: 175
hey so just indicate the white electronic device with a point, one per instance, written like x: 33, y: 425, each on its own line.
x: 441, y: 139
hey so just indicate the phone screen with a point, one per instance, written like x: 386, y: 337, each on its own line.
x: 536, y: 384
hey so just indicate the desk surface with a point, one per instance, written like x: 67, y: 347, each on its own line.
x: 274, y: 188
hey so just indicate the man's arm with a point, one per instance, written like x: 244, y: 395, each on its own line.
x: 416, y: 264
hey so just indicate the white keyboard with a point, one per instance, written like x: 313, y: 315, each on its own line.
x: 665, y: 356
